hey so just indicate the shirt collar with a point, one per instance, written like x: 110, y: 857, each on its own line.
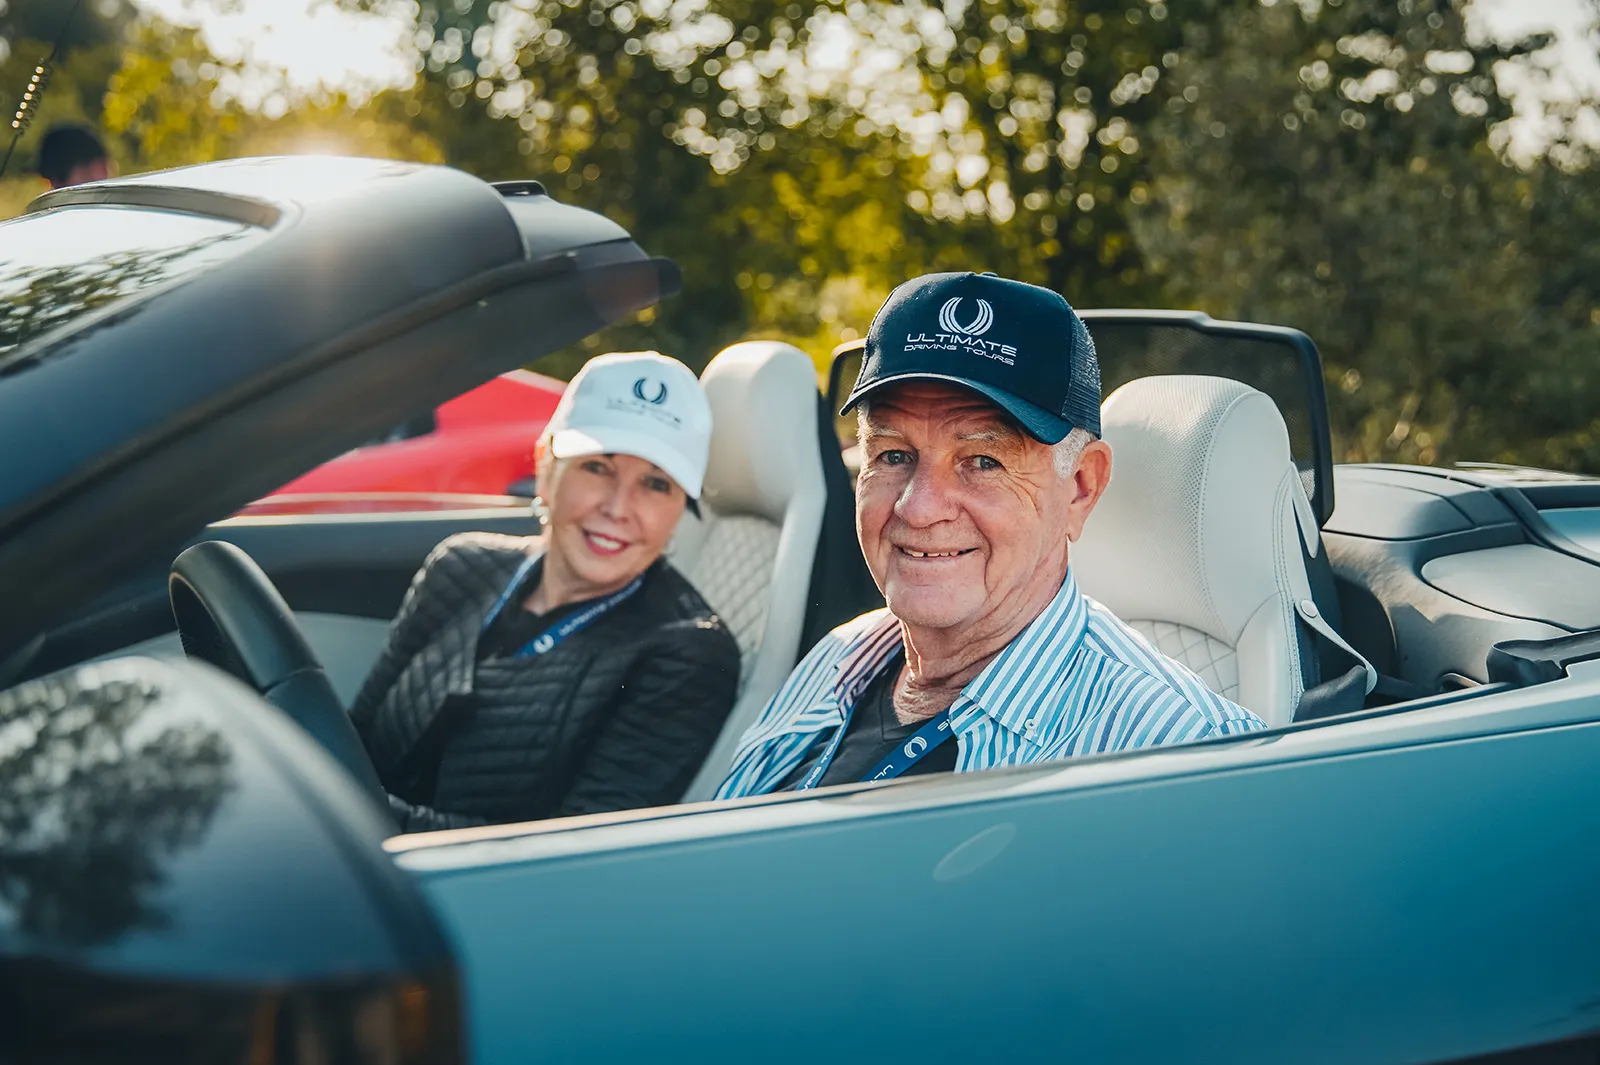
x: 1009, y: 689
x: 865, y: 655
x: 1017, y: 688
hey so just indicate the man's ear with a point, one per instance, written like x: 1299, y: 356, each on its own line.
x: 1089, y: 483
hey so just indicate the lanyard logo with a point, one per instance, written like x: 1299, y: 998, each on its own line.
x: 544, y: 642
x: 915, y: 746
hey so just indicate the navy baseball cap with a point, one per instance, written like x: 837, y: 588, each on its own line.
x: 1021, y: 346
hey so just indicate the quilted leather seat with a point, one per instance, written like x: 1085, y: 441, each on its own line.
x: 750, y: 554
x: 1201, y: 540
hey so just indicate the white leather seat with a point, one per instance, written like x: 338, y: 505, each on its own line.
x: 750, y: 554
x: 1197, y: 541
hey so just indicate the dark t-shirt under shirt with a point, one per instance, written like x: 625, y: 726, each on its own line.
x: 516, y: 626
x: 873, y: 732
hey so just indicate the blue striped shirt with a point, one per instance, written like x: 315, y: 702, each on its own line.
x: 1076, y: 681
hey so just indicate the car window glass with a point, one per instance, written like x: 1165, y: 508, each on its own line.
x: 57, y: 266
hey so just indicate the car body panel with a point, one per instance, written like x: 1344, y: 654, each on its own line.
x: 169, y: 843
x: 1255, y: 900
x: 314, y: 277
x: 344, y: 576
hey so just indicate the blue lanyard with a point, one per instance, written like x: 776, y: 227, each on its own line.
x: 925, y: 739
x: 546, y: 641
x: 934, y: 732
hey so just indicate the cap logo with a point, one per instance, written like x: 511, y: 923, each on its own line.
x: 640, y: 393
x: 647, y: 397
x: 953, y: 336
x: 980, y: 325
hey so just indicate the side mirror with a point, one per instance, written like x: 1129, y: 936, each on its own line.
x: 185, y: 875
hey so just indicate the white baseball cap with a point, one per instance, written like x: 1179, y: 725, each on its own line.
x: 638, y: 403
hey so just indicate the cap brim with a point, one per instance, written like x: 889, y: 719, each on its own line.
x: 1039, y: 423
x: 571, y: 443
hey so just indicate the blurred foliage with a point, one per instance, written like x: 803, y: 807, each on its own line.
x: 96, y: 22
x: 1334, y: 165
x: 161, y: 99
x: 1338, y: 175
x: 169, y: 104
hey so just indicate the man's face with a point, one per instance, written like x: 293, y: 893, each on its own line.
x: 962, y: 517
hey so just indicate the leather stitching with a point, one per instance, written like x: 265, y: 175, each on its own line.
x: 1209, y: 658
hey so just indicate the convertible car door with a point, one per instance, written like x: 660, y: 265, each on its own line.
x: 1410, y: 887
x: 343, y: 573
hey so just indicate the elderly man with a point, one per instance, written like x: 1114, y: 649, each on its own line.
x: 979, y: 412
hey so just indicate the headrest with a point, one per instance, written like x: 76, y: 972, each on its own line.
x: 763, y: 397
x: 1201, y: 488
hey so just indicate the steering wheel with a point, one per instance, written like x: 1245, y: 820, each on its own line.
x: 231, y: 616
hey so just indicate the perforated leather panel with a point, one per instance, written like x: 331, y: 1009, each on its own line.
x: 751, y: 557
x: 1212, y: 660
x: 1199, y: 535
x: 732, y: 570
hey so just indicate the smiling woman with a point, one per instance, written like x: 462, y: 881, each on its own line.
x: 576, y: 671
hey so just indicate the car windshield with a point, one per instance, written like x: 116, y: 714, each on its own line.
x: 63, y: 264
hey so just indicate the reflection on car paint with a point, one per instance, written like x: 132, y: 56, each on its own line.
x: 85, y: 865
x: 71, y: 262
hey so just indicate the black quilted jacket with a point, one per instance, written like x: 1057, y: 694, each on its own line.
x: 617, y: 716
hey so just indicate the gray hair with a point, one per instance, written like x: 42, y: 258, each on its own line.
x: 1064, y: 456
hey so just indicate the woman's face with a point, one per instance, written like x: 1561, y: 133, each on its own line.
x: 610, y: 517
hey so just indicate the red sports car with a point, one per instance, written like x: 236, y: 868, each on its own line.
x: 480, y: 443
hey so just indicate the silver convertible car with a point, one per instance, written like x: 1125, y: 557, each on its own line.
x: 194, y: 865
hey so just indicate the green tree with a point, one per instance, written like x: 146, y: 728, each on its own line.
x: 86, y: 49
x: 616, y: 106
x: 1046, y: 139
x: 1332, y: 168
x: 169, y: 104
x: 1335, y: 165
x: 92, y: 23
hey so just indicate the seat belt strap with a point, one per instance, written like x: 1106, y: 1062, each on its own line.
x: 1312, y: 618
x: 1342, y: 690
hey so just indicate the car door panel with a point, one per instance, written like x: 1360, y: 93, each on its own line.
x: 346, y: 645
x: 356, y: 564
x: 343, y: 574
x: 1408, y: 904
